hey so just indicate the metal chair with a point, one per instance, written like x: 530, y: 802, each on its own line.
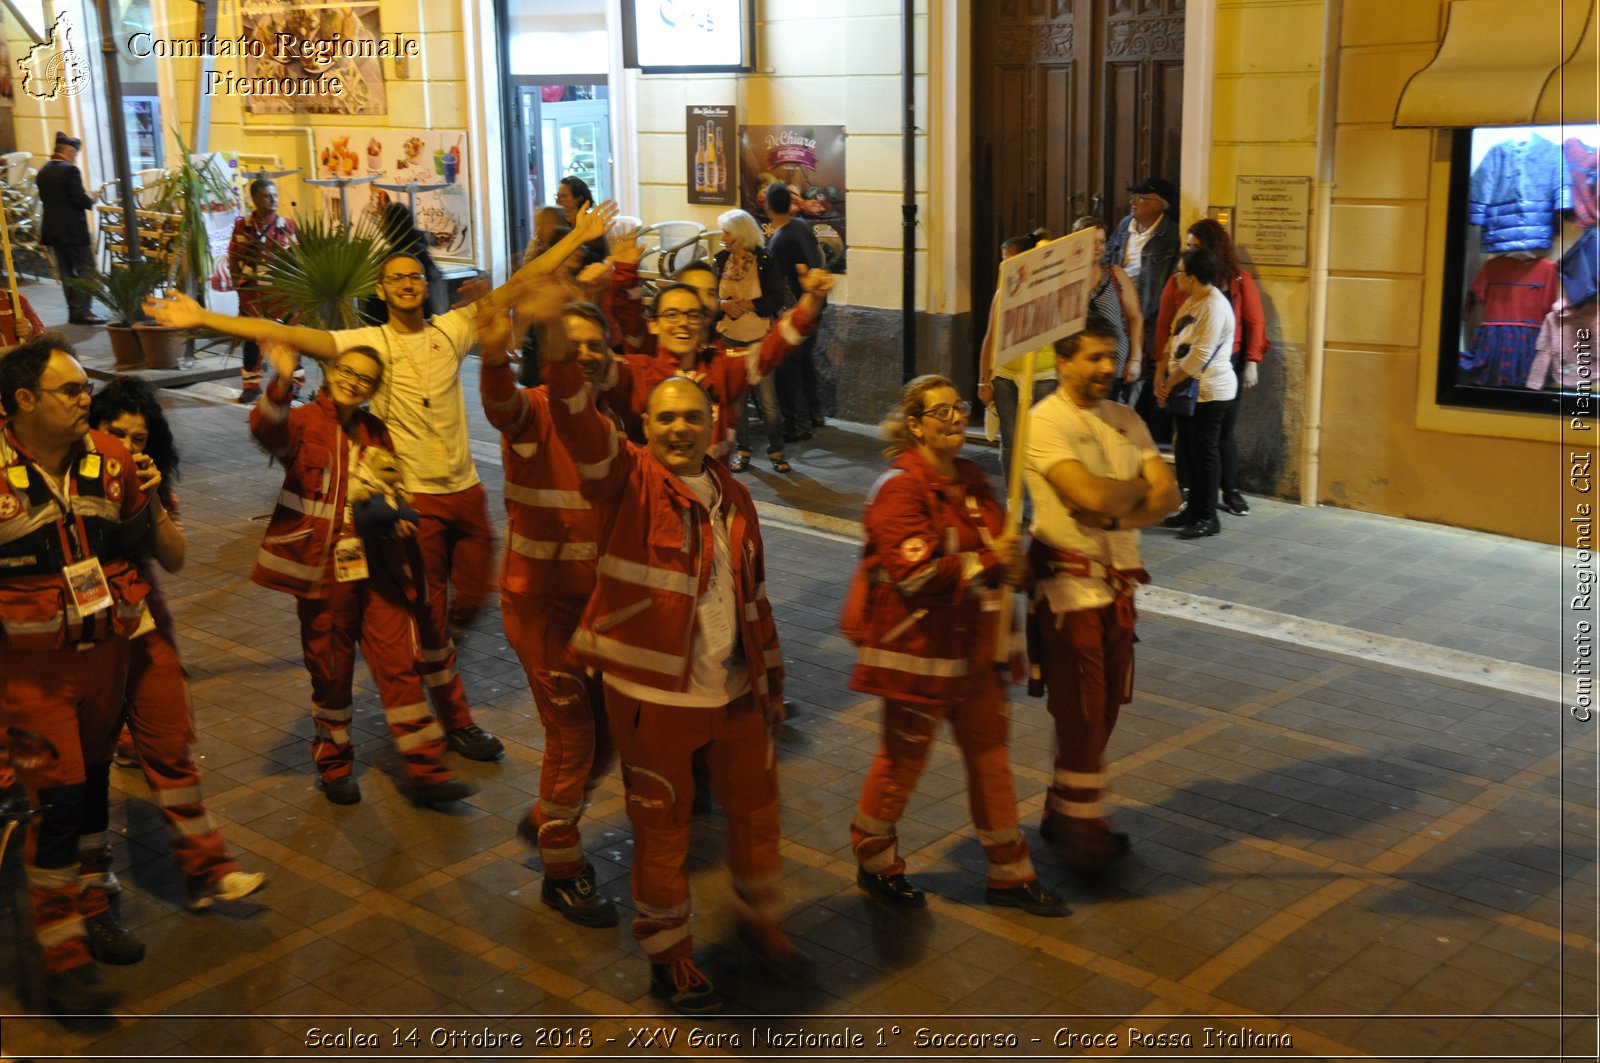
x: 677, y: 243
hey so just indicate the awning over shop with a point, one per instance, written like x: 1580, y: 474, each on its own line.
x: 1508, y: 62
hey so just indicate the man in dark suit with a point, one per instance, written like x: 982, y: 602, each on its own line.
x: 65, y: 228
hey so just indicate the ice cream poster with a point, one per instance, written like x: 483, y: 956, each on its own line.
x: 810, y: 160
x: 397, y: 157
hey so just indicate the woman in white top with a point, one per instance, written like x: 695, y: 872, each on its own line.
x: 1201, y: 347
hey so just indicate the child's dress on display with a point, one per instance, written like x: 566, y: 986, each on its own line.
x: 1516, y: 294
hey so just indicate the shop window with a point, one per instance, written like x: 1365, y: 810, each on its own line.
x: 1521, y: 271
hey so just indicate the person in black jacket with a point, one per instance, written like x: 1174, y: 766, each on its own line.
x: 65, y: 228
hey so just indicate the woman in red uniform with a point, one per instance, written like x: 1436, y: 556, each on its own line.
x: 160, y: 712
x: 938, y: 564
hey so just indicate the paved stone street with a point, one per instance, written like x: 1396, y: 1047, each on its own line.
x: 1363, y: 824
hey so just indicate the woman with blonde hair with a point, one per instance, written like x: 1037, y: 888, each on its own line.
x: 751, y: 294
x: 938, y: 565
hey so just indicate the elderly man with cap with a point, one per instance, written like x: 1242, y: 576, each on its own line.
x: 1145, y: 245
x: 65, y: 228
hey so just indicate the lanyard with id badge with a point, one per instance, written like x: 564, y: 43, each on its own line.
x: 86, y: 580
x: 349, y: 552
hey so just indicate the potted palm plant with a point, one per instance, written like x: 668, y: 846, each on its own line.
x: 322, y: 276
x: 123, y: 290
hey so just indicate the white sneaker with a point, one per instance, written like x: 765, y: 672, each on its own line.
x: 234, y: 886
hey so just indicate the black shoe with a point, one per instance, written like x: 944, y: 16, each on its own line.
x: 86, y: 319
x: 342, y: 791
x: 891, y: 889
x: 1030, y: 897
x: 440, y: 793
x: 1233, y: 502
x: 1200, y: 529
x: 578, y: 901
x: 474, y: 743
x: 79, y: 991
x: 1181, y: 519
x: 110, y: 941
x: 685, y: 989
x: 249, y: 395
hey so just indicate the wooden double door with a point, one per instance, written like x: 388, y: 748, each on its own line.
x: 1074, y: 100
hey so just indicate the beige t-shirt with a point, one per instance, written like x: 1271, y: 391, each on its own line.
x: 421, y: 399
x: 1109, y: 440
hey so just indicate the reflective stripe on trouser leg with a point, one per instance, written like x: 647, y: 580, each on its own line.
x: 160, y: 721
x: 55, y: 919
x: 328, y: 630
x: 744, y: 781
x: 906, y: 738
x: 571, y: 709
x: 94, y: 874
x: 1088, y: 669
x: 389, y: 644
x: 981, y: 725
x: 656, y: 743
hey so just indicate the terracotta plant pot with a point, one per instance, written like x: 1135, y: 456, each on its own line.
x: 163, y: 346
x: 125, y: 348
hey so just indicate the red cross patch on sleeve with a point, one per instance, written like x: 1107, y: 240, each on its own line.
x: 914, y: 550
x: 9, y: 507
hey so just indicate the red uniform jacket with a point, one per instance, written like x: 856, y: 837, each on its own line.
x: 296, y: 554
x: 39, y: 537
x: 552, y: 533
x: 929, y: 620
x: 656, y: 556
x: 250, y: 249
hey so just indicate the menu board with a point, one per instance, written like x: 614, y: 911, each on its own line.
x: 398, y: 157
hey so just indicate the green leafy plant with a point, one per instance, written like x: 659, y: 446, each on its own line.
x: 192, y: 190
x: 322, y: 275
x: 125, y: 288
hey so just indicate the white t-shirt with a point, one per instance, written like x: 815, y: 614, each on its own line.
x: 719, y: 676
x: 1206, y: 325
x: 1133, y: 250
x: 1109, y: 440
x: 421, y: 399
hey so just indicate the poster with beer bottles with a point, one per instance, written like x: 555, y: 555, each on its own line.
x: 810, y: 161
x: 713, y: 179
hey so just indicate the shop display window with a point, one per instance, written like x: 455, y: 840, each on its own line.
x: 1522, y: 267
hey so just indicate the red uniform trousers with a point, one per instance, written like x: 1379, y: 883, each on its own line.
x: 457, y: 554
x: 72, y: 699
x: 577, y: 740
x: 374, y: 612
x: 980, y: 724
x: 1088, y: 674
x: 161, y: 722
x: 657, y: 743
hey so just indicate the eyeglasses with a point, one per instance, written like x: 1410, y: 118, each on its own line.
x: 138, y: 439
x: 360, y: 378
x: 400, y: 278
x: 672, y: 317
x: 947, y: 411
x: 73, y: 391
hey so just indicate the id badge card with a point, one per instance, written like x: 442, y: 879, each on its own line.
x: 350, y: 559
x: 86, y: 581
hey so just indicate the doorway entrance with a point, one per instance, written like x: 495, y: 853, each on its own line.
x: 561, y: 128
x: 1073, y: 101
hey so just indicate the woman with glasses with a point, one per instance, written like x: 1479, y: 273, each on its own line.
x: 160, y: 713
x: 352, y: 589
x: 939, y: 567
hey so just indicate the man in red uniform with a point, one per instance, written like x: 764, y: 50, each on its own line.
x: 680, y: 626
x: 256, y: 236
x: 422, y: 404
x: 1096, y: 478
x: 688, y: 345
x: 547, y: 578
x: 70, y: 598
